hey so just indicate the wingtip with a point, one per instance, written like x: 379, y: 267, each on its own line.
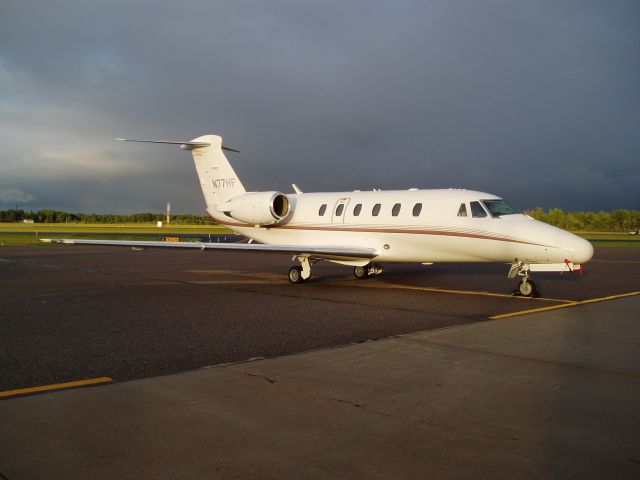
x: 56, y: 240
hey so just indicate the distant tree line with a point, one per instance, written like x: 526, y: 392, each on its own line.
x: 55, y: 216
x: 615, y: 221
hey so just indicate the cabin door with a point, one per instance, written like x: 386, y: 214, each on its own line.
x: 339, y: 210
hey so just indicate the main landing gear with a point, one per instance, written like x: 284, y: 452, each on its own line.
x: 301, y: 273
x: 366, y: 271
x: 526, y: 288
x: 295, y: 274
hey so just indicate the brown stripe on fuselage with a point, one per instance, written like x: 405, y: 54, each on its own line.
x: 447, y: 233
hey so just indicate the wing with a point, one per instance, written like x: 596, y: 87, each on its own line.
x: 328, y: 252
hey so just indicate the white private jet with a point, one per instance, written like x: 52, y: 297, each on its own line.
x: 366, y: 229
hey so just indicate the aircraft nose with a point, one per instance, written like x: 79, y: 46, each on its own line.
x: 581, y: 250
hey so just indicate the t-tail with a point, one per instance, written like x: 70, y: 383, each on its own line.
x: 218, y: 180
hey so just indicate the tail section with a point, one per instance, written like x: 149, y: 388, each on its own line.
x: 218, y: 180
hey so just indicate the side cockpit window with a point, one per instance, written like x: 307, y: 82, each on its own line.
x: 462, y: 211
x: 477, y: 211
x: 497, y: 208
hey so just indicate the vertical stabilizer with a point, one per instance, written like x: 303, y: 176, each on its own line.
x: 218, y: 180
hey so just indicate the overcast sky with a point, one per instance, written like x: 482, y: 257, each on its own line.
x: 535, y: 101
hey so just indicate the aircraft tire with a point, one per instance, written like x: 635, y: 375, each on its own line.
x: 295, y: 275
x: 361, y: 272
x: 527, y: 288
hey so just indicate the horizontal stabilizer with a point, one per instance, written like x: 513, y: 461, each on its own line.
x: 184, y: 145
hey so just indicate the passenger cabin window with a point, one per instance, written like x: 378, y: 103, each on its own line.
x: 339, y: 210
x: 417, y: 208
x: 497, y: 208
x: 395, y: 210
x: 322, y: 210
x: 376, y: 210
x: 357, y: 209
x: 477, y: 211
x: 462, y: 211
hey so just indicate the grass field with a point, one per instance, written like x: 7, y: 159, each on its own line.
x: 603, y: 239
x: 29, y: 234
x: 110, y: 228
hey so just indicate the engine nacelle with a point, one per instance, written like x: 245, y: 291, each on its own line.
x: 258, y: 208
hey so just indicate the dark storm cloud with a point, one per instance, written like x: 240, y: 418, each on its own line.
x: 535, y: 101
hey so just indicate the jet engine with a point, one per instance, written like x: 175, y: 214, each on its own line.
x: 258, y: 208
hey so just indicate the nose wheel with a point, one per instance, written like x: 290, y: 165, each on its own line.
x: 526, y: 288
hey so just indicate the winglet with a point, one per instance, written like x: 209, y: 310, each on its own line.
x: 296, y: 189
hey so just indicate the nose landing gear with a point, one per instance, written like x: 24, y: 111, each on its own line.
x: 526, y: 288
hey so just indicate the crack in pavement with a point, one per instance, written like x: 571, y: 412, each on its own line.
x: 268, y: 379
x: 425, y: 342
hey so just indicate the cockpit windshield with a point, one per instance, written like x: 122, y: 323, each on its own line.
x: 497, y: 208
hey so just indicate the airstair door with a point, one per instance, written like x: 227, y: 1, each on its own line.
x: 340, y: 210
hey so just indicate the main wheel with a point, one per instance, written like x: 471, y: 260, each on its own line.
x: 361, y: 272
x: 527, y: 288
x: 295, y: 275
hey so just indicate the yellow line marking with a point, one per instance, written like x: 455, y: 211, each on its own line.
x: 566, y: 305
x: 57, y: 386
x: 370, y: 284
x: 469, y: 292
x: 459, y: 292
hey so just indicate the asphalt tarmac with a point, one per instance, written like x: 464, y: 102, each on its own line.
x: 70, y: 313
